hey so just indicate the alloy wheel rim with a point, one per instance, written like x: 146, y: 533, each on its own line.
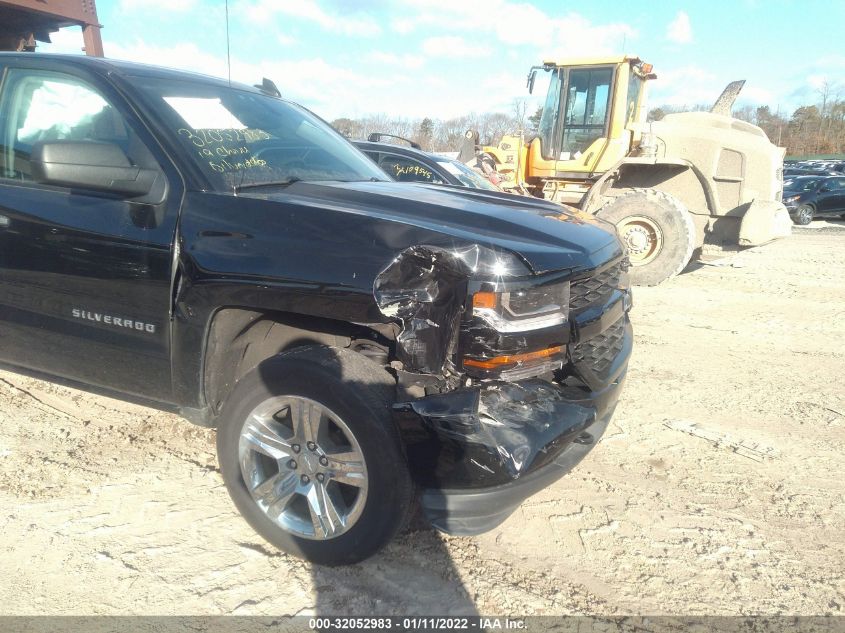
x: 303, y: 467
x: 642, y: 237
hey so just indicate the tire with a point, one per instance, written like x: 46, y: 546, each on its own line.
x: 804, y: 215
x: 657, y: 230
x: 356, y: 454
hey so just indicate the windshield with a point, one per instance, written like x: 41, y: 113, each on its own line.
x: 802, y: 184
x: 242, y: 138
x: 466, y: 176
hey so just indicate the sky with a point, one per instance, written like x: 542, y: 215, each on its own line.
x: 446, y: 58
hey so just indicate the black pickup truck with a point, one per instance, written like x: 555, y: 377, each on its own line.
x: 362, y: 346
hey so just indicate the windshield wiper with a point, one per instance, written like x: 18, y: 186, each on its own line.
x: 255, y: 185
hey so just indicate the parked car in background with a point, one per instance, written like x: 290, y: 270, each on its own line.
x: 807, y: 171
x: 808, y: 197
x: 412, y: 164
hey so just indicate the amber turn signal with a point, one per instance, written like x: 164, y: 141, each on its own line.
x: 498, y: 362
x: 484, y: 300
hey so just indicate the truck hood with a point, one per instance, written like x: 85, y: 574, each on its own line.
x: 547, y: 236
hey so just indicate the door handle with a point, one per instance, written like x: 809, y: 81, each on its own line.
x: 4, y: 222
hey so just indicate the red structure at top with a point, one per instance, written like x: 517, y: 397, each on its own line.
x: 24, y: 23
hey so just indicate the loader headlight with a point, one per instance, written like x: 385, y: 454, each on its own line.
x: 523, y: 309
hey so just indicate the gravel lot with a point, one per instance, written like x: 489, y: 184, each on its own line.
x: 718, y: 488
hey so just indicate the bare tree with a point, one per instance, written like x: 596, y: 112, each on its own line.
x: 519, y: 109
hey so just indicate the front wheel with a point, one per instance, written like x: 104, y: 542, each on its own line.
x: 657, y: 231
x: 804, y: 215
x: 311, y: 457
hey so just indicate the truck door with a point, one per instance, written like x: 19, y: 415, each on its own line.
x: 827, y: 200
x: 85, y: 275
x: 837, y: 186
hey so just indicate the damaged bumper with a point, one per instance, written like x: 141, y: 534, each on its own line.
x: 479, y: 452
x: 474, y: 511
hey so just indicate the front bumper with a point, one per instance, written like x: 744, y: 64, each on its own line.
x: 467, y: 512
x: 478, y: 452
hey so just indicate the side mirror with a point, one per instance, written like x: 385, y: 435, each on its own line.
x: 90, y: 165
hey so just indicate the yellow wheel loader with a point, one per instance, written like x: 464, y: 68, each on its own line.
x: 667, y: 186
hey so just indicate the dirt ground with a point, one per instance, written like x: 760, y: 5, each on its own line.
x: 718, y: 488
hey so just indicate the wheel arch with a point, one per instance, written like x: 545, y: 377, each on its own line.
x: 676, y: 177
x: 239, y: 338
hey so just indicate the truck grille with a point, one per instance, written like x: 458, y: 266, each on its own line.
x: 585, y: 292
x: 600, y: 351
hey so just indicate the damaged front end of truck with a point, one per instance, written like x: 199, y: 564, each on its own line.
x: 507, y: 376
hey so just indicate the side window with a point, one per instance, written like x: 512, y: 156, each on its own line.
x: 635, y: 86
x: 406, y: 169
x: 46, y: 106
x: 587, y: 98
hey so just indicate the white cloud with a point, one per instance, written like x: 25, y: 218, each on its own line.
x: 685, y: 86
x: 680, y: 29
x: 286, y: 40
x: 757, y: 95
x: 264, y: 11
x: 575, y: 36
x: 522, y: 24
x: 169, y: 6
x: 183, y: 55
x: 817, y: 81
x: 403, y: 26
x: 327, y: 89
x: 453, y: 46
x: 392, y: 59
x: 67, y: 40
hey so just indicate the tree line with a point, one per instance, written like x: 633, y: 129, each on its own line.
x: 435, y: 135
x: 810, y: 129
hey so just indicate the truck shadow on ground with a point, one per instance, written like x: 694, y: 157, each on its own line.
x: 413, y: 575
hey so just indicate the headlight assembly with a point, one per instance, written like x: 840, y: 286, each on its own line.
x: 523, y: 309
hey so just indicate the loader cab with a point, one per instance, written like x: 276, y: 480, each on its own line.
x: 589, y: 116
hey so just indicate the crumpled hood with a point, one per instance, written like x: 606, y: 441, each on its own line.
x: 545, y: 235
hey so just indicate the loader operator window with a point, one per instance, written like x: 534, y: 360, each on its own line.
x: 585, y: 118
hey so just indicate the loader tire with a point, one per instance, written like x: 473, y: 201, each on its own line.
x: 657, y: 231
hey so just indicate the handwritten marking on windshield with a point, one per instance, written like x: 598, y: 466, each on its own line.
x: 211, y: 147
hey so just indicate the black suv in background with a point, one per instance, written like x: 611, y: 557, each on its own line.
x: 360, y: 344
x: 808, y: 197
